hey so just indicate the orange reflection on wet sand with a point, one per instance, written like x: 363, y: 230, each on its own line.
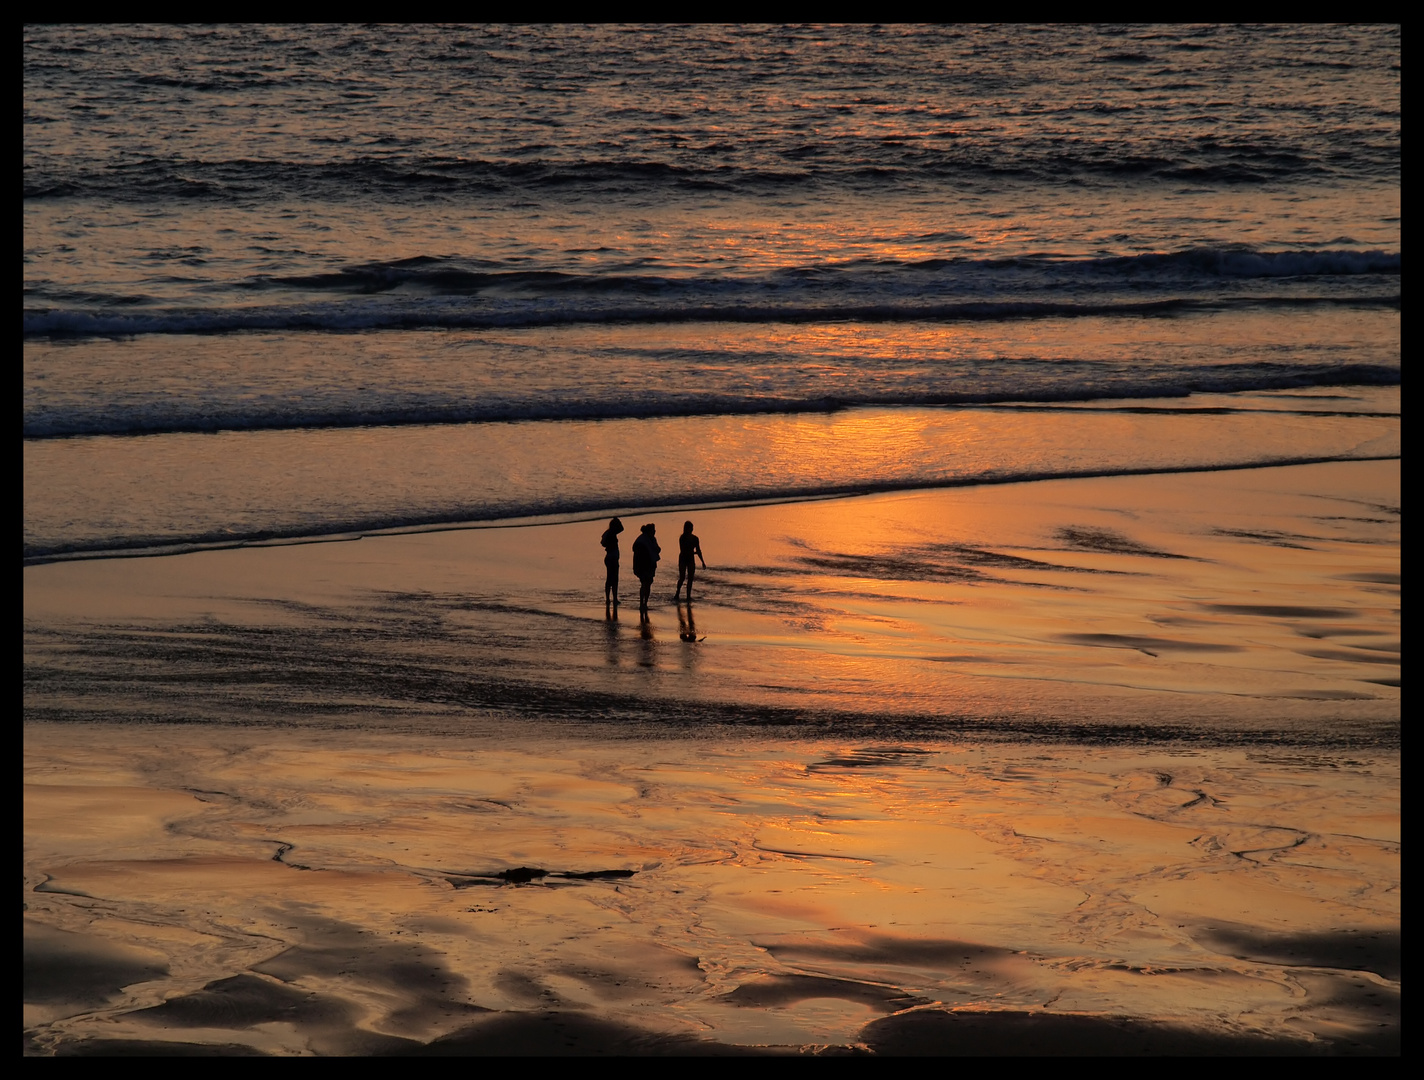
x: 786, y: 894
x: 1086, y: 780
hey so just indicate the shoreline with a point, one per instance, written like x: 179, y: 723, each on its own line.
x: 576, y: 517
x: 162, y: 494
x: 1128, y: 600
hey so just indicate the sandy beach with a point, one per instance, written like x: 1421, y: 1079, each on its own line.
x: 1102, y: 766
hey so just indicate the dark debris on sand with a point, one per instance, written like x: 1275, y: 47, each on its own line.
x: 524, y: 875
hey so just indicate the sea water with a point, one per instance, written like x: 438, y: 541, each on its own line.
x: 299, y: 281
x: 285, y: 284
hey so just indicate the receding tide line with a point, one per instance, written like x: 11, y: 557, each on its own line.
x: 145, y: 549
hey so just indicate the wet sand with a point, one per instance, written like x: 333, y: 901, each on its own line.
x: 1095, y: 766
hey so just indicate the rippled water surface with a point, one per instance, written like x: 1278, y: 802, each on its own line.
x: 272, y: 230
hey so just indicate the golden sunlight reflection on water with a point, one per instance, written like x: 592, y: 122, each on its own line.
x: 335, y: 480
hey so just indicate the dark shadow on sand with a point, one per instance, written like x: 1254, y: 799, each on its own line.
x: 936, y: 954
x: 415, y: 976
x: 245, y: 1000
x: 1345, y: 950
x: 1131, y: 641
x: 153, y: 1048
x: 570, y: 1034
x: 777, y: 990
x: 928, y: 562
x: 327, y: 1023
x: 1278, y: 611
x: 1108, y: 542
x: 85, y: 971
x: 872, y: 757
x: 943, y: 1033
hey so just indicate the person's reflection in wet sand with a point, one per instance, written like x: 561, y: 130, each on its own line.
x: 615, y: 637
x: 687, y: 632
x: 649, y: 655
x: 686, y: 628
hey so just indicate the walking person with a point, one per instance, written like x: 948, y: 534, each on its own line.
x: 610, y: 561
x: 688, y: 547
x: 646, y: 554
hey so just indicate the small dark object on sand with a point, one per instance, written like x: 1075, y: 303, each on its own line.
x: 522, y: 875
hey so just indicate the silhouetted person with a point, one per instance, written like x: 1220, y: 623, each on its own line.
x: 688, y: 546
x: 646, y: 554
x: 610, y: 560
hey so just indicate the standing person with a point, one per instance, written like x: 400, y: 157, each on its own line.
x: 688, y: 546
x: 646, y: 554
x: 610, y: 560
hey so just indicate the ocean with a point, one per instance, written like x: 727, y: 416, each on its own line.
x: 290, y: 282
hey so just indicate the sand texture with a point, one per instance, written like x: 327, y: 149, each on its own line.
x: 1077, y: 767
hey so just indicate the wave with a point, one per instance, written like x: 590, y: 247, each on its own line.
x: 429, y: 292
x: 416, y: 316
x: 711, y: 163
x: 506, y: 513
x: 455, y: 276
x: 1247, y: 262
x: 61, y: 323
x: 210, y: 415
